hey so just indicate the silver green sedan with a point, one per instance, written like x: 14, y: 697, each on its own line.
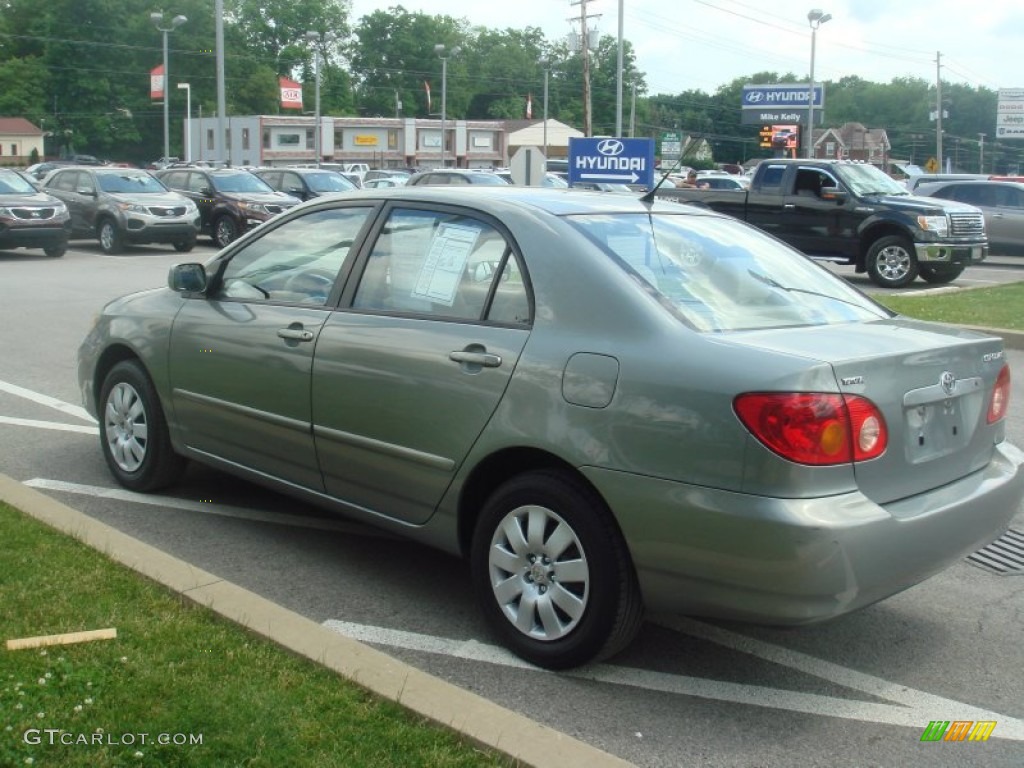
x: 606, y: 404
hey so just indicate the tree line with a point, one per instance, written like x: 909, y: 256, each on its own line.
x: 80, y: 70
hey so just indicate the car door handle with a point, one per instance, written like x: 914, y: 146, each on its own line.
x: 485, y: 359
x: 295, y: 334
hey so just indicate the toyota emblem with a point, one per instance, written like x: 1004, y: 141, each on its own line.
x: 610, y: 147
x: 948, y: 382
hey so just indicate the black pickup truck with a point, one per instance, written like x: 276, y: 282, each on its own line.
x: 852, y: 213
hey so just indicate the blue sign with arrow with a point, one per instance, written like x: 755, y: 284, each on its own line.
x: 611, y: 161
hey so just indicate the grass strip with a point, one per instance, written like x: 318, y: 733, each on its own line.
x: 997, y: 307
x: 179, y: 686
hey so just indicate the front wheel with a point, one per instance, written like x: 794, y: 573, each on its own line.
x: 56, y: 251
x: 940, y: 275
x: 225, y: 230
x: 552, y: 573
x: 110, y: 237
x: 133, y: 432
x: 891, y: 262
x: 184, y: 246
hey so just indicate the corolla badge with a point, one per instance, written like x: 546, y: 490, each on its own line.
x: 948, y: 382
x: 610, y: 147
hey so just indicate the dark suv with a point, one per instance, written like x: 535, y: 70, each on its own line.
x: 119, y: 206
x: 231, y: 201
x: 30, y: 218
x: 305, y: 183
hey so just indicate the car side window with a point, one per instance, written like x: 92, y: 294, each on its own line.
x: 295, y: 263
x: 65, y: 180
x: 197, y: 183
x: 288, y: 182
x: 434, y: 263
x: 86, y: 185
x: 174, y: 180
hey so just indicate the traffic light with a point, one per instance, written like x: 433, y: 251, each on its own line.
x: 766, y: 137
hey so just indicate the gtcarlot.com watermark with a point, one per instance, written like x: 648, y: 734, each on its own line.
x: 55, y: 736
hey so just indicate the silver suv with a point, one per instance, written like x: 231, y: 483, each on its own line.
x: 119, y: 206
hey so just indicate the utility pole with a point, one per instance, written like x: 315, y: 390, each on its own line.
x: 585, y: 50
x: 981, y: 152
x: 938, y: 110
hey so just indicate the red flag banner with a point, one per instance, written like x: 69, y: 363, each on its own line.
x: 426, y: 87
x: 291, y: 93
x: 156, y: 82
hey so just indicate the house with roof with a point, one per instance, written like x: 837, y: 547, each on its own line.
x: 853, y: 141
x: 18, y: 137
x: 531, y: 133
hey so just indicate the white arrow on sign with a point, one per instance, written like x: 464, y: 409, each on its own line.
x: 631, y: 179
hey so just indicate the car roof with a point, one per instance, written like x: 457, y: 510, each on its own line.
x: 499, y: 199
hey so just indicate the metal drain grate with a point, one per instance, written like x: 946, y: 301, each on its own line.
x: 1004, y: 556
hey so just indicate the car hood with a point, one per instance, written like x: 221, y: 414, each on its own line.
x: 272, y: 198
x: 922, y: 205
x: 169, y: 199
x: 33, y: 200
x: 936, y: 434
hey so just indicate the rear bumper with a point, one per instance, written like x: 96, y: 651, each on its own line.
x: 794, y: 561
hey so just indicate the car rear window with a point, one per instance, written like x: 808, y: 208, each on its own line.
x: 717, y: 274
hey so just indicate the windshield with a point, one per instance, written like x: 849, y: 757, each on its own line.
x: 243, y: 181
x: 868, y: 180
x: 12, y: 184
x: 722, y: 275
x: 121, y: 183
x: 329, y: 181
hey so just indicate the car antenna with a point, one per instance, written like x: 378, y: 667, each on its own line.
x: 648, y: 197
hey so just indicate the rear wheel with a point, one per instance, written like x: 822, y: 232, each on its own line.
x: 940, y: 275
x: 56, y: 251
x: 110, y: 237
x: 133, y: 432
x: 184, y: 246
x: 225, y: 230
x: 891, y: 262
x: 552, y: 573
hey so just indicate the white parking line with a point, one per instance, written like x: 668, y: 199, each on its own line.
x: 51, y: 402
x: 36, y: 424
x: 208, y: 508
x: 909, y: 707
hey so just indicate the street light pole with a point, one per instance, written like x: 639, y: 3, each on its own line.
x: 439, y: 49
x: 815, y: 18
x: 316, y: 38
x: 157, y: 17
x: 547, y: 69
x: 188, y: 116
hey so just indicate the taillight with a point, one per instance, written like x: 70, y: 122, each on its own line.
x: 1000, y: 402
x: 814, y: 427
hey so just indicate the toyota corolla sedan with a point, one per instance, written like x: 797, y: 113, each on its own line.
x: 608, y: 405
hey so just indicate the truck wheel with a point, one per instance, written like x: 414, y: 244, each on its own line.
x: 891, y: 262
x: 940, y: 275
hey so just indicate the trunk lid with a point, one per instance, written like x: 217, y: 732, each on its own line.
x: 932, y: 383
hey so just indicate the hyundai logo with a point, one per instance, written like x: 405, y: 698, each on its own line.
x: 948, y: 382
x: 610, y: 147
x: 755, y: 96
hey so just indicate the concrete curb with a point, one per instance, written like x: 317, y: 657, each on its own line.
x: 473, y: 716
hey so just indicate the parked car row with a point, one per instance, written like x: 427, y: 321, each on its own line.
x: 1001, y: 203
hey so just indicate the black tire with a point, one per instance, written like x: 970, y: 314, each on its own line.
x: 111, y: 241
x: 133, y: 431
x: 184, y: 246
x: 56, y: 251
x: 940, y: 275
x: 891, y: 262
x: 574, y: 595
x: 225, y: 231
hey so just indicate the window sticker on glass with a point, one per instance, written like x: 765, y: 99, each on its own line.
x: 441, y: 272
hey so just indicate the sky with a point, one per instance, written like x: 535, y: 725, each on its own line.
x: 703, y: 44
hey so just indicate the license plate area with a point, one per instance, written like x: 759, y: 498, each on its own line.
x: 939, y: 422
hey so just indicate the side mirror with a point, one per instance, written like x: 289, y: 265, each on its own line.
x: 833, y: 193
x: 187, y: 278
x: 206, y: 192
